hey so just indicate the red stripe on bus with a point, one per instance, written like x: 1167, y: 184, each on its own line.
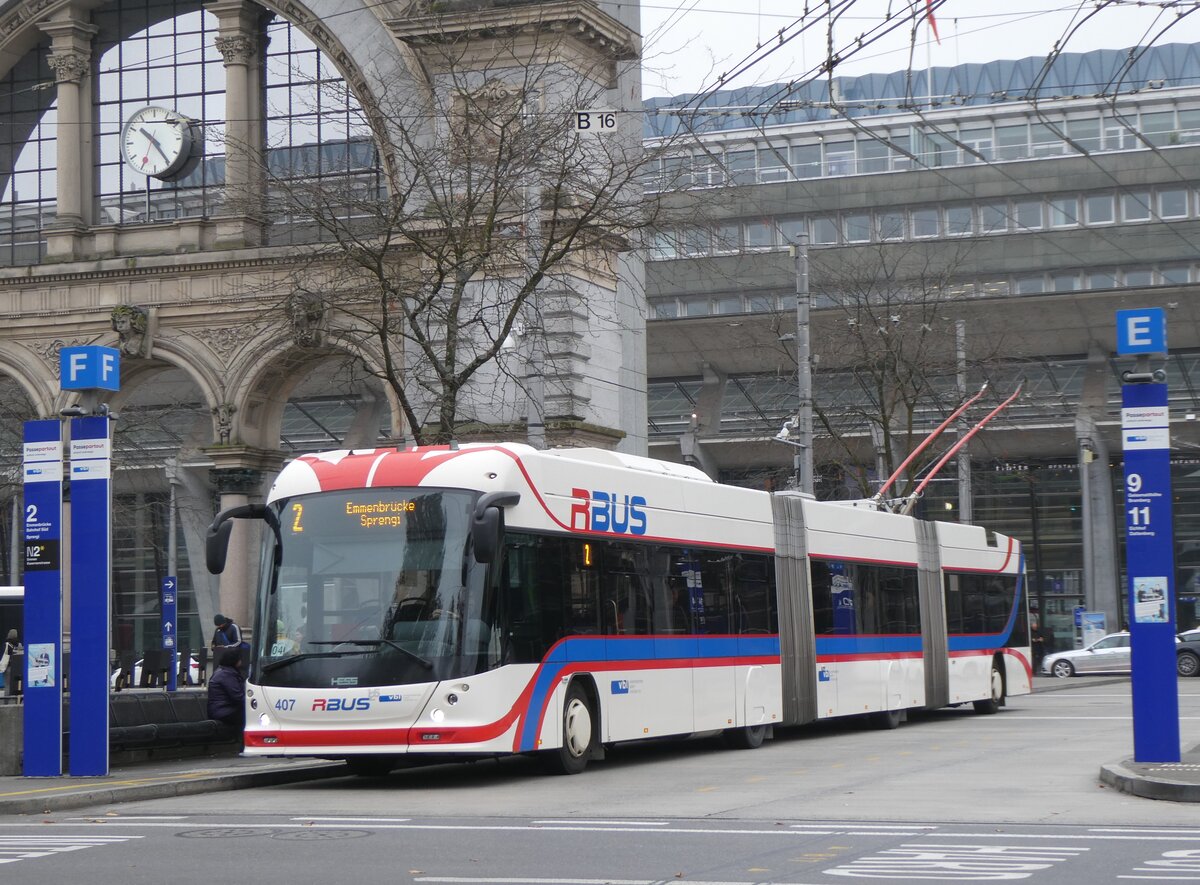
x: 869, y: 656
x: 473, y: 734
x: 1025, y: 662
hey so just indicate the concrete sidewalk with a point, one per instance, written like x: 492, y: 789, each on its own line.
x: 158, y: 779
x: 1171, y: 781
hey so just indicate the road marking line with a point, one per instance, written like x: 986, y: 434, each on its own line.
x: 630, y: 823
x: 99, y: 820
x: 865, y: 826
x: 494, y: 880
x: 346, y: 820
x: 1189, y: 836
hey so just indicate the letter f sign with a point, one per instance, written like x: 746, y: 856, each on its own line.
x: 90, y: 368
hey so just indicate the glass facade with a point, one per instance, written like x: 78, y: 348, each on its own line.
x: 172, y: 63
x: 163, y: 53
x: 27, y: 148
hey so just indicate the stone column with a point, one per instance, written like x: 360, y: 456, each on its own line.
x: 241, y: 44
x: 71, y: 60
x: 1101, y: 584
x: 240, y: 476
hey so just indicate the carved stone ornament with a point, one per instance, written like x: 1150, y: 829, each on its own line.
x: 49, y: 350
x: 236, y: 480
x: 224, y: 414
x: 131, y: 325
x: 497, y: 91
x: 238, y: 49
x: 68, y: 67
x: 225, y: 341
x: 307, y: 312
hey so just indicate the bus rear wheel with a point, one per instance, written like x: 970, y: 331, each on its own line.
x: 578, y: 734
x: 996, y: 687
x: 749, y: 738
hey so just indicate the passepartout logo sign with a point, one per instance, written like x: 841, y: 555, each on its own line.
x: 89, y: 448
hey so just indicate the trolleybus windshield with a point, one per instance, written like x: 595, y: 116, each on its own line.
x: 374, y: 587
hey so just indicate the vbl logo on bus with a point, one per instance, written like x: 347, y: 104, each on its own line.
x: 608, y: 513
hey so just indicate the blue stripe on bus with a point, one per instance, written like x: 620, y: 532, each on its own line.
x: 584, y: 649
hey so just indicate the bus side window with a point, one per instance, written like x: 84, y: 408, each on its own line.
x: 752, y: 586
x: 720, y: 616
x: 624, y: 588
x: 822, y: 597
x: 954, y: 618
x: 583, y: 591
x: 534, y: 608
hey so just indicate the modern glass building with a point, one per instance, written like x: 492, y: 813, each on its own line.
x: 1003, y: 211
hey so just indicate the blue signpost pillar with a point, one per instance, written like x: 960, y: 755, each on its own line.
x: 42, y: 518
x: 1149, y: 539
x: 170, y: 621
x: 90, y: 369
x: 91, y: 597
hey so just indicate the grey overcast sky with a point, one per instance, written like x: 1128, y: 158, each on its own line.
x: 688, y: 44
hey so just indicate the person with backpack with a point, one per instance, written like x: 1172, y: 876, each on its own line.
x: 11, y: 659
x: 229, y: 635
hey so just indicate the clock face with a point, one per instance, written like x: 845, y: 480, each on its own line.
x: 156, y: 142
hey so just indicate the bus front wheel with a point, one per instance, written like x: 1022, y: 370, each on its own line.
x: 578, y: 734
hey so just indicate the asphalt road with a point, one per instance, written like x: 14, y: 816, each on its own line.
x: 949, y: 796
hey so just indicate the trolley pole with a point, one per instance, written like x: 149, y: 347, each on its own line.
x: 804, y: 410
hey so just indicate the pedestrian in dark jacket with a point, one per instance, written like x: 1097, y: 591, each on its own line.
x: 227, y: 691
x: 227, y: 634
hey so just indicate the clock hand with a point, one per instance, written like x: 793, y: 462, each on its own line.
x: 150, y: 138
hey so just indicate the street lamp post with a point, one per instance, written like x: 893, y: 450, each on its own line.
x: 804, y: 410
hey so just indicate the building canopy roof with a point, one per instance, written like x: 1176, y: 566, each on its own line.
x: 1101, y: 72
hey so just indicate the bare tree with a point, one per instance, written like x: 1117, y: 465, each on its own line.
x: 884, y: 341
x: 491, y: 211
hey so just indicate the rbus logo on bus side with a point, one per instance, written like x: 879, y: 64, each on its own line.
x: 343, y: 705
x: 607, y: 513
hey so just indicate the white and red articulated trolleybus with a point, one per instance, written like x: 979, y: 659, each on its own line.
x: 498, y: 599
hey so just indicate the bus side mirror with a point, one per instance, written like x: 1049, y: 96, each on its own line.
x: 216, y: 541
x: 216, y: 544
x: 487, y: 524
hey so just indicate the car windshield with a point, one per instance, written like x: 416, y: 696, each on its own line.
x: 375, y: 587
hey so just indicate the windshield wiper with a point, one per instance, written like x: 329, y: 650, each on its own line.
x: 428, y: 665
x: 305, y: 656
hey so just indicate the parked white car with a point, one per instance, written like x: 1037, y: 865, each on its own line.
x: 1111, y: 654
x: 193, y: 673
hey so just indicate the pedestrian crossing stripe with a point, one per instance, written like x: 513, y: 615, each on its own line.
x: 27, y: 847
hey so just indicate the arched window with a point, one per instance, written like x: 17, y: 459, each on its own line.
x: 164, y: 53
x: 173, y: 63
